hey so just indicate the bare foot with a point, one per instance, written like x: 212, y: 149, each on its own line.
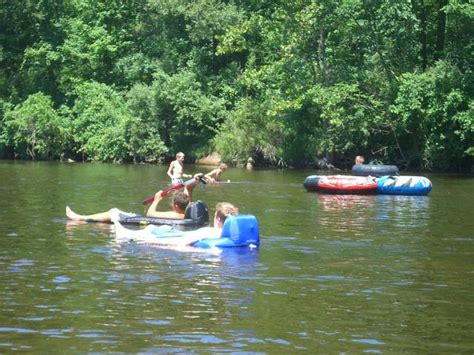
x: 72, y: 215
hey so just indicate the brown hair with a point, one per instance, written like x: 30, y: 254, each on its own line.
x: 181, y: 200
x: 225, y: 209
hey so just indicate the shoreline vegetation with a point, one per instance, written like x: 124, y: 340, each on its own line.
x: 289, y: 84
x: 208, y: 166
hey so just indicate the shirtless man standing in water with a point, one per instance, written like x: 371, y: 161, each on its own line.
x: 175, y: 171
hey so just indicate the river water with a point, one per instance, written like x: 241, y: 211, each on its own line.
x: 333, y: 274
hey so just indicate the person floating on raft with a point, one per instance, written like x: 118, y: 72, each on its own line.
x: 377, y: 170
x: 229, y: 230
x: 179, y: 203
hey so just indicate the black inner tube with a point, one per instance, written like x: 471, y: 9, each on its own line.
x: 374, y: 170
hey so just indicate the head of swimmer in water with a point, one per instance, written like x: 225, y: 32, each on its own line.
x: 224, y: 210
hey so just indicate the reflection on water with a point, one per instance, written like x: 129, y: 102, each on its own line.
x: 405, y: 211
x: 211, y: 288
x: 338, y: 202
x: 71, y: 227
x: 348, y: 212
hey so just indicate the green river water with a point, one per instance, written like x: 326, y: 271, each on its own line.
x: 333, y: 274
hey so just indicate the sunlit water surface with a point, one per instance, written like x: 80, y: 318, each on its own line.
x: 333, y: 273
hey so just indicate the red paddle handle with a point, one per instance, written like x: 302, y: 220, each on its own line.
x: 163, y: 193
x: 175, y: 187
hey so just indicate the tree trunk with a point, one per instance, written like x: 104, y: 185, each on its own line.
x: 424, y: 37
x: 441, y: 29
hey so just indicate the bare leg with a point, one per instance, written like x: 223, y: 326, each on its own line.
x: 140, y: 235
x: 121, y: 232
x: 97, y: 217
x: 146, y: 236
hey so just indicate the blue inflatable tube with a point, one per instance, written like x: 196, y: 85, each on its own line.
x: 404, y: 185
x: 238, y: 231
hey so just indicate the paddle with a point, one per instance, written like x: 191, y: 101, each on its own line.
x: 174, y: 187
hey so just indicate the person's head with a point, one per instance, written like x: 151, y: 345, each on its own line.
x: 180, y: 201
x: 180, y: 156
x: 222, y: 167
x: 224, y: 210
x: 359, y: 159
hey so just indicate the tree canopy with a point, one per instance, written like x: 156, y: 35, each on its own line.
x: 284, y: 82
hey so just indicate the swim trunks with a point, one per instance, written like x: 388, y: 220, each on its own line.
x: 118, y: 215
x: 176, y: 181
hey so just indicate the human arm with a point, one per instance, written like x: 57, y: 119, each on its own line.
x: 153, y: 212
x: 170, y: 170
x: 217, y: 176
x: 188, y: 189
x: 211, y: 176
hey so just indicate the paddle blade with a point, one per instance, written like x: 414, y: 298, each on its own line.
x: 148, y: 200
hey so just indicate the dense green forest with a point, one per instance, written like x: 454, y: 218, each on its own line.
x: 285, y: 82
